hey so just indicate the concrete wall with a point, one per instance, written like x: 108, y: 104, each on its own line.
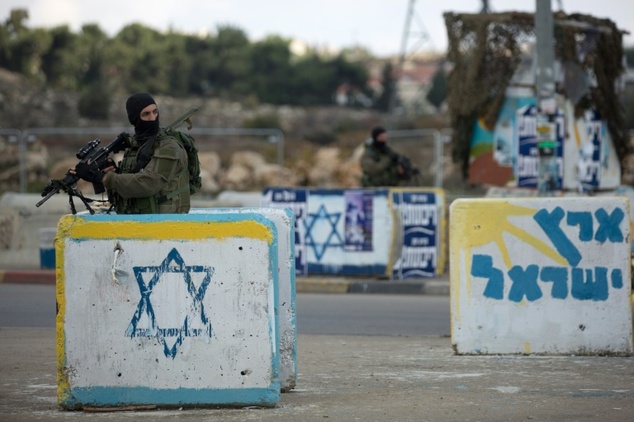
x: 396, y: 233
x: 547, y: 275
x: 172, y: 310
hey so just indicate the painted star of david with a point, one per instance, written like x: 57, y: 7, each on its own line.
x: 173, y: 263
x: 317, y: 223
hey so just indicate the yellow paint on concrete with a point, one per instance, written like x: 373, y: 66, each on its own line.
x: 527, y: 348
x: 78, y: 228
x: 485, y: 221
x: 577, y: 137
x: 63, y: 384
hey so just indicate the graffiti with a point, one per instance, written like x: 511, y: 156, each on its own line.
x: 582, y: 283
x: 585, y: 284
x: 321, y: 231
x: 608, y: 229
x: 194, y: 316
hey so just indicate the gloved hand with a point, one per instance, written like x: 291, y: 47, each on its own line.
x: 89, y: 172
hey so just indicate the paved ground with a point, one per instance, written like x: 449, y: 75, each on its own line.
x: 348, y: 378
x: 364, y: 378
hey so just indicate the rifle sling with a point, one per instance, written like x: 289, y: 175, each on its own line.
x: 145, y: 154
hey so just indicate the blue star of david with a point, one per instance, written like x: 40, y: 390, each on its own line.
x: 173, y: 263
x: 333, y: 238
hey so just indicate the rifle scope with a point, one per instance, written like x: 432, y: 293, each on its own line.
x: 87, y: 149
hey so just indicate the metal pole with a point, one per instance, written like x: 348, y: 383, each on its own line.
x: 439, y: 150
x: 546, y: 104
x: 399, y: 67
x: 22, y: 161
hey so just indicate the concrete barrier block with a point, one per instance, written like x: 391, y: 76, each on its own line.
x: 543, y: 276
x: 169, y: 310
x: 397, y: 233
x: 284, y: 221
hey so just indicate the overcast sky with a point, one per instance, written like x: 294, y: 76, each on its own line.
x: 375, y: 24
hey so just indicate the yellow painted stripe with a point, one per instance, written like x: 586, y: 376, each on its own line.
x: 577, y: 137
x: 77, y: 228
x: 63, y: 384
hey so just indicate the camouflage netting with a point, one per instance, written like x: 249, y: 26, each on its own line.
x: 486, y: 49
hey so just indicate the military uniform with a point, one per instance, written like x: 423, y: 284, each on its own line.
x: 380, y: 167
x: 162, y: 186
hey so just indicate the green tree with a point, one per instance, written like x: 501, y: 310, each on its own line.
x: 314, y: 81
x: 231, y: 65
x: 21, y: 49
x: 178, y: 64
x: 383, y: 102
x: 141, y: 59
x: 60, y: 64
x: 271, y: 76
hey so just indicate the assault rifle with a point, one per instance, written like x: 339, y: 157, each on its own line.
x: 90, y: 155
x: 100, y: 159
x: 409, y: 171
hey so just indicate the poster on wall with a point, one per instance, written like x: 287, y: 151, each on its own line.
x: 296, y: 201
x: 419, y: 228
x: 527, y: 166
x: 589, y: 164
x: 359, y: 218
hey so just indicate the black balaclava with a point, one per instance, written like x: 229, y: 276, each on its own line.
x: 142, y: 129
x: 381, y: 146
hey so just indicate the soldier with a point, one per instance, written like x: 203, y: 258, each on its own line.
x: 153, y: 176
x: 379, y: 162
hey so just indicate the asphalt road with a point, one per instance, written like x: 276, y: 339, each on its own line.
x: 373, y: 314
x: 29, y: 305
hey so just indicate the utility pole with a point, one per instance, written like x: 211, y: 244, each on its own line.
x: 485, y: 7
x: 421, y: 36
x: 548, y: 174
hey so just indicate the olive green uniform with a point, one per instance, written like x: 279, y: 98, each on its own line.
x: 161, y: 187
x: 379, y: 167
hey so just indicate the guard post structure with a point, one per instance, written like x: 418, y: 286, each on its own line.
x: 173, y: 310
x: 541, y: 276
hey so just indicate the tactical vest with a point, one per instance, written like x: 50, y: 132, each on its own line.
x: 176, y: 185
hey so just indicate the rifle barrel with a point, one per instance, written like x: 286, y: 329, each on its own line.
x: 48, y: 196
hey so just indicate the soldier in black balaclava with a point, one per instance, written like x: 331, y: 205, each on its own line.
x: 379, y: 162
x: 144, y: 118
x: 153, y: 176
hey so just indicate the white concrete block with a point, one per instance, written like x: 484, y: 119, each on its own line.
x: 172, y: 310
x: 544, y: 275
